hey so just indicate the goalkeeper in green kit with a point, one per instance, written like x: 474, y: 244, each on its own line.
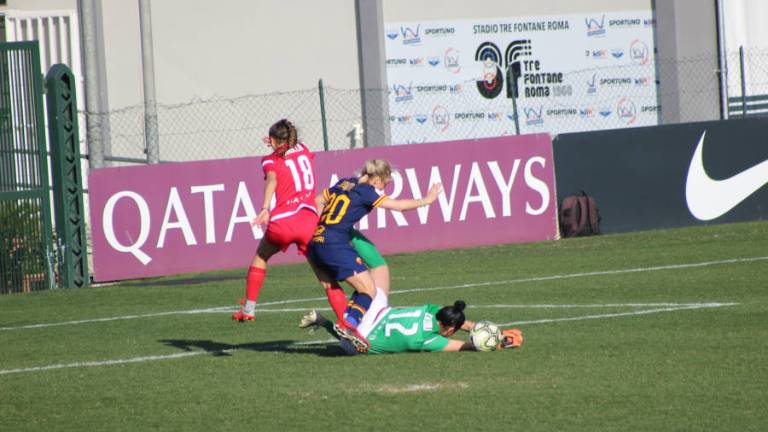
x: 423, y: 328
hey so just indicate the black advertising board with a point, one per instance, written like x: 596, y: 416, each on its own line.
x: 669, y: 176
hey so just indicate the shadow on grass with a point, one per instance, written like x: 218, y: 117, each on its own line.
x: 192, y: 280
x: 225, y: 349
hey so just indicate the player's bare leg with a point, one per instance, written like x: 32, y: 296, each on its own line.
x: 380, y: 277
x: 363, y: 283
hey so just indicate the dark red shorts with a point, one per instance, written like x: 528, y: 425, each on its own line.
x: 297, y: 229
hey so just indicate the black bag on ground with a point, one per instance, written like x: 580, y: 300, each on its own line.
x: 579, y: 216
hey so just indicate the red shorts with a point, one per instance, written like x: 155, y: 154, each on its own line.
x: 298, y: 229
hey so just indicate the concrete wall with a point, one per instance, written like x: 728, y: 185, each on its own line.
x: 246, y: 47
x: 249, y: 47
x: 205, y: 49
x: 686, y: 39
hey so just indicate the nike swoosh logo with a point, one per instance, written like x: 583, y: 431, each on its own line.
x: 708, y: 198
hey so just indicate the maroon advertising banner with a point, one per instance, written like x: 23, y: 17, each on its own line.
x: 195, y: 216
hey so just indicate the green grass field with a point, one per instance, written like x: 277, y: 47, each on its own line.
x: 654, y: 331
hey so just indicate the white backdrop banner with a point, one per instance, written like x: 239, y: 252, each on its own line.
x: 468, y: 79
x: 744, y: 27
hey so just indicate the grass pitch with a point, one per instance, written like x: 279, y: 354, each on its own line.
x: 662, y: 330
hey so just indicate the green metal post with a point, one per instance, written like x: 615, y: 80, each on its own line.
x: 7, y: 156
x: 67, y: 176
x: 38, y: 140
x: 322, y: 114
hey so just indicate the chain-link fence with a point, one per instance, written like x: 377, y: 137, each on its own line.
x: 747, y: 78
x: 603, y: 97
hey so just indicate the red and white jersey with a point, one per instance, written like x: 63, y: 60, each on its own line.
x: 295, y: 173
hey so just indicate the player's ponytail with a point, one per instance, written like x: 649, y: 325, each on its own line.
x: 452, y: 316
x: 286, y: 135
x: 377, y: 168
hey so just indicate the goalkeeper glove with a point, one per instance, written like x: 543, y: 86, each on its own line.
x: 511, y: 338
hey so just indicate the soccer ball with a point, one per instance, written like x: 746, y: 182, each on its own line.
x: 485, y: 336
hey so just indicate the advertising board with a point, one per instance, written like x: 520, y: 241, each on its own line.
x: 195, y: 216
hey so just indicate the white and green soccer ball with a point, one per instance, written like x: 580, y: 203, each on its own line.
x: 485, y: 336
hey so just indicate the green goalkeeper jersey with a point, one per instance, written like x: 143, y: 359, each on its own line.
x: 407, y: 329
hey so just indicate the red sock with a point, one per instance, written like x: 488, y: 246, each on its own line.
x: 337, y: 299
x: 253, y: 282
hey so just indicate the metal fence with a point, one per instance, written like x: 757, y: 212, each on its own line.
x: 686, y: 90
x: 748, y: 83
x: 26, y: 248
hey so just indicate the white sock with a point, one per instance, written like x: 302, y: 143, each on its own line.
x: 249, y: 307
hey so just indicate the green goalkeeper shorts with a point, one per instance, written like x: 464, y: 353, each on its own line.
x: 367, y: 250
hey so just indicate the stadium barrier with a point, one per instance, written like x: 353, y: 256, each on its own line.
x: 27, y: 251
x: 195, y: 216
x: 669, y: 176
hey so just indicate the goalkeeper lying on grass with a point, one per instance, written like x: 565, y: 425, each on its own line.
x: 424, y: 328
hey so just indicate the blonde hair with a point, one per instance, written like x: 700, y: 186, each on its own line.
x: 377, y: 168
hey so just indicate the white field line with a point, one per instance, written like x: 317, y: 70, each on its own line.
x: 117, y: 318
x: 603, y: 305
x: 102, y: 363
x: 144, y: 359
x: 451, y: 287
x: 527, y: 306
x: 621, y: 314
x: 587, y: 274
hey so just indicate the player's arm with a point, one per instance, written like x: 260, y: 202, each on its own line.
x: 455, y: 345
x: 468, y: 325
x: 410, y: 204
x: 322, y: 199
x: 511, y: 338
x: 270, y: 184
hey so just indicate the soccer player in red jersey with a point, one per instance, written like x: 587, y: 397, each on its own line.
x: 289, y: 175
